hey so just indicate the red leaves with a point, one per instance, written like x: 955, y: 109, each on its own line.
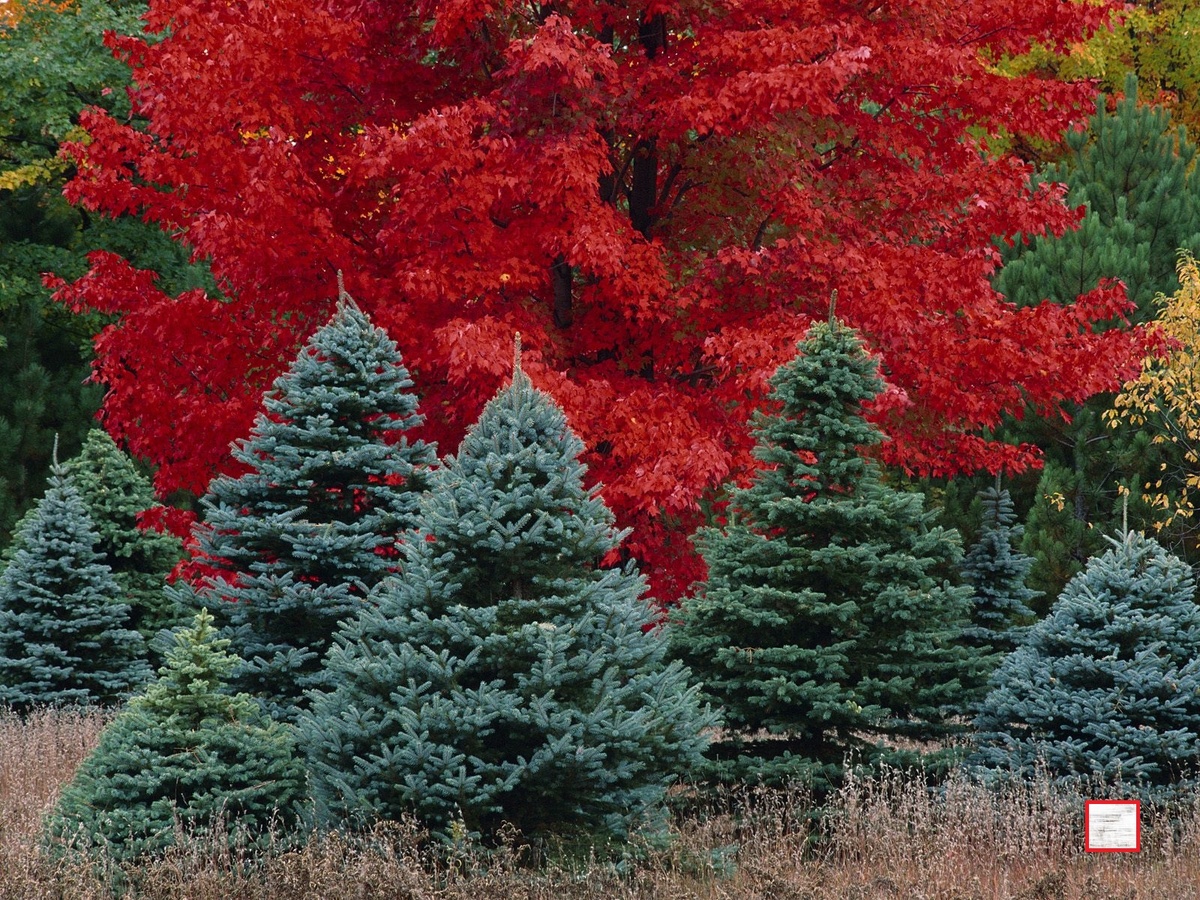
x: 475, y: 170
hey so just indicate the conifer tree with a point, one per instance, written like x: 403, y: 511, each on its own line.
x: 996, y: 571
x: 507, y: 674
x: 115, y: 492
x: 827, y: 618
x: 64, y: 635
x: 185, y: 753
x: 1108, y: 685
x: 300, y: 538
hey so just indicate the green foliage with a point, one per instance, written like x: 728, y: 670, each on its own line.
x: 53, y: 64
x: 64, y: 635
x: 997, y: 571
x: 333, y: 485
x: 1108, y: 685
x: 506, y: 675
x: 115, y: 492
x: 827, y: 619
x: 1132, y: 172
x: 185, y: 756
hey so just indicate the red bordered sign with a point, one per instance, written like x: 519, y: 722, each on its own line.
x: 1112, y: 826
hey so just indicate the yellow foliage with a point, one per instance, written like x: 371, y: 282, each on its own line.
x: 39, y: 172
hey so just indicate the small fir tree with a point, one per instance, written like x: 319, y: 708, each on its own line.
x: 185, y: 753
x: 506, y: 675
x: 827, y: 618
x: 1107, y: 686
x: 64, y: 635
x: 115, y: 493
x: 332, y: 486
x: 996, y: 571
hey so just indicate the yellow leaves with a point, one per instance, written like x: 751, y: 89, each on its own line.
x: 40, y: 172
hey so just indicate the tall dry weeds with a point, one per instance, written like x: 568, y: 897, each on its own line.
x: 888, y: 837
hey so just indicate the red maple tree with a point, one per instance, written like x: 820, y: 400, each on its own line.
x: 659, y: 195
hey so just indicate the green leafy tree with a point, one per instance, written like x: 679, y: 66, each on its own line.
x: 185, y: 753
x: 298, y: 540
x: 1108, y: 685
x: 1132, y: 173
x: 115, y: 493
x: 997, y: 571
x: 64, y: 635
x: 507, y: 674
x: 827, y: 621
x: 53, y: 63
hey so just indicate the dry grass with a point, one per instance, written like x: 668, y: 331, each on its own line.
x: 888, y: 838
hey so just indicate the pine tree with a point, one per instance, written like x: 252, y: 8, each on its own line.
x: 827, y: 617
x: 64, y: 635
x: 1132, y: 171
x: 996, y: 571
x: 115, y: 492
x: 507, y: 675
x: 185, y: 753
x: 332, y: 486
x: 1108, y: 685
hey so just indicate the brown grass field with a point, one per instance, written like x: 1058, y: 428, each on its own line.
x: 888, y: 838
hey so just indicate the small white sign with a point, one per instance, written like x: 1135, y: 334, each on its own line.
x: 1113, y: 826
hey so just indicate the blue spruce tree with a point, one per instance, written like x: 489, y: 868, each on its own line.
x: 1108, y: 685
x: 64, y: 625
x: 506, y: 675
x: 996, y: 571
x: 301, y: 538
x: 827, y: 624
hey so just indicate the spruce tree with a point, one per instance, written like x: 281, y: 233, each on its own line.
x: 507, y: 674
x: 1108, y: 685
x: 333, y: 484
x: 827, y: 621
x: 996, y: 571
x: 185, y: 753
x: 64, y: 635
x: 115, y: 492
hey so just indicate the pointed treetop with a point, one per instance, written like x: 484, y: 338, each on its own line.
x: 832, y: 306
x: 344, y: 299
x: 516, y: 355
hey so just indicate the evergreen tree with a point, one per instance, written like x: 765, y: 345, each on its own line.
x: 115, y: 492
x: 1108, y: 685
x: 996, y: 571
x: 506, y: 675
x: 1132, y: 171
x: 184, y: 753
x: 827, y: 618
x: 300, y: 538
x: 64, y: 635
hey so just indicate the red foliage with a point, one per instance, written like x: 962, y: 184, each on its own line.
x: 658, y: 195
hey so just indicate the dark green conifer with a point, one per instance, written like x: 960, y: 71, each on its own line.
x: 64, y: 635
x: 996, y: 571
x: 185, y: 757
x: 1107, y: 686
x: 507, y: 674
x: 333, y: 485
x: 827, y: 622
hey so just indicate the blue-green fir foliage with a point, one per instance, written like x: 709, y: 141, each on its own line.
x: 506, y: 675
x: 996, y: 571
x: 306, y: 533
x: 185, y: 757
x: 64, y: 635
x: 1107, y: 687
x: 827, y: 621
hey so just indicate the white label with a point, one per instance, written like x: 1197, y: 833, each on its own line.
x: 1112, y: 826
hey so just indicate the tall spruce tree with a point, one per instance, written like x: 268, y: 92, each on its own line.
x: 300, y: 539
x: 996, y: 570
x: 64, y: 635
x: 507, y: 674
x: 1132, y: 172
x: 185, y: 755
x: 1108, y: 685
x: 115, y: 493
x: 827, y: 619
